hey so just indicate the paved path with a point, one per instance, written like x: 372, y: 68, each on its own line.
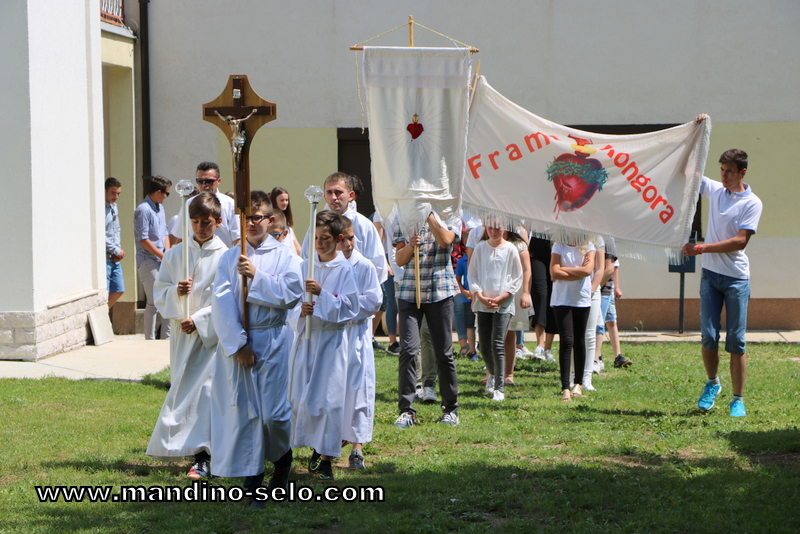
x: 132, y: 357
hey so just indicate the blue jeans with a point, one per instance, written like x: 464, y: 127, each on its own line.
x: 608, y: 313
x: 116, y: 284
x: 715, y: 290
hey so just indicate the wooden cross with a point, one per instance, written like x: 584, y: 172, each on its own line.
x: 237, y: 110
x: 246, y: 112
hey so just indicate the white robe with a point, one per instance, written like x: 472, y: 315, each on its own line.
x: 359, y: 402
x: 250, y: 413
x: 183, y: 427
x: 367, y: 242
x: 319, y: 365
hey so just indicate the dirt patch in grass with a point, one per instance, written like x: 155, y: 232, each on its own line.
x: 9, y: 479
x: 635, y: 461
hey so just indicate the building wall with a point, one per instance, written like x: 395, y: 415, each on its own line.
x: 574, y: 62
x: 54, y: 190
x: 15, y: 150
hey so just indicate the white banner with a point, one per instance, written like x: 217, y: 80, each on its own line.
x: 417, y: 99
x: 639, y: 189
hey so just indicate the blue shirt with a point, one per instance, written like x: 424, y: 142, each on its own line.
x: 149, y: 223
x: 113, y: 245
x: 461, y: 276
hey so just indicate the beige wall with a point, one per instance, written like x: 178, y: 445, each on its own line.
x: 119, y: 121
x: 292, y: 158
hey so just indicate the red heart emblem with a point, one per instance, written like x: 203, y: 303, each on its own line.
x: 572, y: 191
x: 576, y: 177
x: 415, y: 128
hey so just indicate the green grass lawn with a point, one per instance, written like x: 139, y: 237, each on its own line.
x: 636, y: 456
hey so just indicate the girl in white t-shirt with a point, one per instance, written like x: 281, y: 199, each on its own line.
x: 280, y: 201
x: 495, y: 275
x: 571, y: 269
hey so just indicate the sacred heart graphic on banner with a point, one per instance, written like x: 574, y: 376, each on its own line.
x: 576, y: 177
x: 415, y: 128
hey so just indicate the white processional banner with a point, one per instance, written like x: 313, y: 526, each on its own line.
x: 569, y: 184
x: 417, y: 100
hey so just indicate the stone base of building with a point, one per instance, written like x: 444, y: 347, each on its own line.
x: 663, y: 314
x: 31, y: 336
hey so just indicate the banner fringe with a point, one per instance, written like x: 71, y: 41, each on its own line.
x: 623, y: 247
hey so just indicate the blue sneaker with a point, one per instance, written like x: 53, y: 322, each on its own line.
x: 737, y: 408
x: 710, y: 392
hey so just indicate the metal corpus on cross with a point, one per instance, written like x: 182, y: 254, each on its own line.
x: 239, y: 112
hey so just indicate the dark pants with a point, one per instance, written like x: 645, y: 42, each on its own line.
x: 285, y: 461
x: 492, y: 328
x: 542, y: 288
x: 571, y: 324
x: 439, y: 316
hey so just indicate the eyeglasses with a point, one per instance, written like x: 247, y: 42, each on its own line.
x: 276, y: 235
x: 205, y: 181
x: 255, y: 219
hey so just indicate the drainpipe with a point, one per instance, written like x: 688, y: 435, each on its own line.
x: 144, y: 40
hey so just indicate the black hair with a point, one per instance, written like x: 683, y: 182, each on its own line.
x: 156, y: 183
x: 207, y: 166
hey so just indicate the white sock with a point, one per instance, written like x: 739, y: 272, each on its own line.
x: 715, y: 380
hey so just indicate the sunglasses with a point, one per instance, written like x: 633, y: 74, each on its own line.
x: 205, y: 181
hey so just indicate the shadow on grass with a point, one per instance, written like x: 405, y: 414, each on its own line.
x: 474, y: 496
x: 130, y: 469
x: 780, y: 447
x: 156, y: 381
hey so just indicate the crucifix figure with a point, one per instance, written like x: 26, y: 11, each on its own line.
x: 238, y: 136
x: 229, y: 111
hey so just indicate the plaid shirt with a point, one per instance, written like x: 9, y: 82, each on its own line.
x: 435, y: 268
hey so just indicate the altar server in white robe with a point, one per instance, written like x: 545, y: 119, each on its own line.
x: 250, y: 413
x: 359, y: 402
x: 339, y: 193
x: 183, y: 427
x: 319, y: 364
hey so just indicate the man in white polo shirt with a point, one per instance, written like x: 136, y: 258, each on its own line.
x: 208, y: 180
x: 734, y: 212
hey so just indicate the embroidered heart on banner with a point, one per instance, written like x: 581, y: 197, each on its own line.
x: 415, y: 128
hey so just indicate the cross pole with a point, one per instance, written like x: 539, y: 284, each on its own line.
x: 237, y: 111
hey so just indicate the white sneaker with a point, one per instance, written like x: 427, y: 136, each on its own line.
x: 498, y: 396
x: 418, y: 393
x: 548, y: 355
x: 587, y: 385
x: 429, y: 394
x: 598, y: 366
x: 539, y: 353
x: 490, y: 384
x: 519, y: 355
x: 526, y: 351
